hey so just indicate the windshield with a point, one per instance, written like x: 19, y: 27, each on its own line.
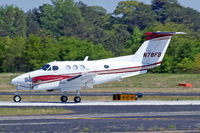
x: 45, y: 67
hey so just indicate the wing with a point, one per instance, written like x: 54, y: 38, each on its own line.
x: 76, y: 83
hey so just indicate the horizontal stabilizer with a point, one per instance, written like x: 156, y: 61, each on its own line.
x: 154, y: 35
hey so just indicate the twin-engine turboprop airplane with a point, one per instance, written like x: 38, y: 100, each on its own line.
x: 75, y: 75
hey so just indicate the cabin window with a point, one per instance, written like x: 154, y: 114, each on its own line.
x: 75, y: 67
x: 55, y: 68
x: 68, y: 67
x: 106, y: 66
x: 82, y: 67
x: 49, y: 69
x: 46, y: 67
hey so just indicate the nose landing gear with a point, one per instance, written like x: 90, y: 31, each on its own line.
x: 17, y: 98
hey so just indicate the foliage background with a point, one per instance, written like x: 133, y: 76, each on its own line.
x: 65, y: 30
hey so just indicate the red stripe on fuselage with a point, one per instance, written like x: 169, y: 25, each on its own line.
x: 49, y: 77
x: 125, y: 68
x: 54, y: 78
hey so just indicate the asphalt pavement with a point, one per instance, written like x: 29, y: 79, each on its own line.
x: 106, y: 118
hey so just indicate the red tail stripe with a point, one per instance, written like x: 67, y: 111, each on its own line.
x: 152, y: 35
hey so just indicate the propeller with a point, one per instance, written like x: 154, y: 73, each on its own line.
x: 30, y: 80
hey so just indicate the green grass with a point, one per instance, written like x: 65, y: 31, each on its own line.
x: 32, y: 111
x: 5, y: 85
x: 166, y: 98
x: 156, y: 81
x: 56, y: 98
x: 152, y: 83
x: 172, y: 127
x: 161, y: 83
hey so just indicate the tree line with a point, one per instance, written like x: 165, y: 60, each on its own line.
x: 66, y: 30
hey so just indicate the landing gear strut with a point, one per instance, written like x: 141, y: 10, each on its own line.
x: 77, y: 99
x: 17, y: 98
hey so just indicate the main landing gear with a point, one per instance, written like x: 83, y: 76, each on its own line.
x: 77, y: 99
x: 64, y: 99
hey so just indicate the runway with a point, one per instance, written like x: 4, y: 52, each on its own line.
x: 106, y: 118
x: 98, y: 93
x: 101, y: 103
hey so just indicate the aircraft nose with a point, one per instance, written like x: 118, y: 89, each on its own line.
x: 21, y: 79
x: 14, y: 81
x: 17, y: 80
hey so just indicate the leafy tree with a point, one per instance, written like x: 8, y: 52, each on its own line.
x: 33, y: 52
x: 50, y: 49
x: 160, y: 7
x: 196, y: 64
x: 92, y: 26
x: 135, y: 41
x: 115, y: 39
x: 61, y: 17
x: 2, y: 55
x: 172, y: 11
x: 65, y: 30
x: 166, y: 67
x: 40, y: 50
x: 13, y: 54
x: 75, y: 49
x: 133, y: 13
x: 12, y: 21
x: 33, y: 25
x: 125, y: 8
x: 184, y: 66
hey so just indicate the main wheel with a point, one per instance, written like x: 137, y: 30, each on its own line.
x: 17, y: 98
x: 77, y: 99
x: 64, y: 98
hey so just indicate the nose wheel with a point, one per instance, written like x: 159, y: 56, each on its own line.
x: 17, y: 98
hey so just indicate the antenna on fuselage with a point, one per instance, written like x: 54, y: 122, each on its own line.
x: 86, y: 58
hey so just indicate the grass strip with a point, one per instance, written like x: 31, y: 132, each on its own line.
x: 4, y: 111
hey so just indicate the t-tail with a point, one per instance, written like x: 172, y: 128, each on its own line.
x: 154, y: 48
x: 151, y: 52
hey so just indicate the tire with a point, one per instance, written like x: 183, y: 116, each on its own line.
x: 17, y: 98
x: 77, y: 99
x: 64, y: 99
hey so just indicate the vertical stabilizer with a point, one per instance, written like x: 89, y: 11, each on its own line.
x: 153, y: 49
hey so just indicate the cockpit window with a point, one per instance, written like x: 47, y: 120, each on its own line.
x: 55, y: 68
x: 49, y: 69
x: 45, y: 67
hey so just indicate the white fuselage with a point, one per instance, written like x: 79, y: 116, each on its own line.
x: 106, y: 71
